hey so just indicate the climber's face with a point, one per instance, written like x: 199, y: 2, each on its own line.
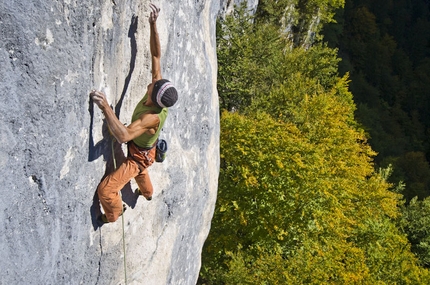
x: 150, y: 88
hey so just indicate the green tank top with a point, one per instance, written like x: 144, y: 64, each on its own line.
x: 146, y: 140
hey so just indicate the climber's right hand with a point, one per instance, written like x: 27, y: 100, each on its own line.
x: 100, y: 99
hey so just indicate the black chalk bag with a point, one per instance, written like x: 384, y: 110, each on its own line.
x: 161, y: 149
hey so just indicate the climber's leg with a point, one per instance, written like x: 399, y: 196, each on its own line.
x: 145, y: 185
x: 109, y: 187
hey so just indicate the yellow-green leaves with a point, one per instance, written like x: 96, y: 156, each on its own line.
x: 300, y: 196
x: 299, y: 201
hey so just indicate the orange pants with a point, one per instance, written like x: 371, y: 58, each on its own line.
x: 135, y: 166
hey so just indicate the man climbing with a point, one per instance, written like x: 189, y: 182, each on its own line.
x: 142, y: 134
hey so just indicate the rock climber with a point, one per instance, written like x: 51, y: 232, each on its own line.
x: 141, y: 135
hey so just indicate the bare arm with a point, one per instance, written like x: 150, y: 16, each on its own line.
x: 122, y: 133
x: 154, y: 43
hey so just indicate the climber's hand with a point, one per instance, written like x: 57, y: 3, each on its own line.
x: 100, y: 99
x: 154, y: 14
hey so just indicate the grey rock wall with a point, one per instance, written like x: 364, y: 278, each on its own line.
x: 54, y: 147
x: 227, y: 6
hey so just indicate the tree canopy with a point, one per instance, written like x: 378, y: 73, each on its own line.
x: 299, y: 199
x: 385, y: 48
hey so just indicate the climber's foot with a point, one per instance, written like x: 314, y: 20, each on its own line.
x: 138, y: 192
x: 102, y: 219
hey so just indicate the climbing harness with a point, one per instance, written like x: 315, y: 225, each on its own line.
x: 122, y: 217
x: 144, y: 152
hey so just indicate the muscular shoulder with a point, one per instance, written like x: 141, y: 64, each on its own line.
x: 149, y: 119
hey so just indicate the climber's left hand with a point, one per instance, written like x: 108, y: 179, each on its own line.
x: 154, y: 14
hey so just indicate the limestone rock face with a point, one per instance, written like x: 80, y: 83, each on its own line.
x: 227, y: 6
x: 55, y: 148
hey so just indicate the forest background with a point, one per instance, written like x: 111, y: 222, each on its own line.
x: 324, y: 144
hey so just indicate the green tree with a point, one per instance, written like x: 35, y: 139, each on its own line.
x: 416, y: 174
x: 255, y: 58
x: 299, y: 201
x: 416, y: 223
x: 301, y: 18
x: 248, y: 58
x: 385, y: 49
x: 298, y: 196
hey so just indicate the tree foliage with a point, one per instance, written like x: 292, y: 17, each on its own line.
x: 299, y: 201
x: 301, y: 18
x: 254, y: 58
x: 416, y: 223
x: 247, y: 54
x: 385, y: 48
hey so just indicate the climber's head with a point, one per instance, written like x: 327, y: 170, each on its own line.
x: 163, y: 94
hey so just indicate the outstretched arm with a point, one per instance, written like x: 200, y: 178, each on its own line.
x: 154, y: 42
x: 122, y: 133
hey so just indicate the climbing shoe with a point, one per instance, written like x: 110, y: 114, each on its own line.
x: 102, y: 219
x: 138, y: 192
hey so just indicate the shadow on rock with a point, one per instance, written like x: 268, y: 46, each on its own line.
x: 111, y: 150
